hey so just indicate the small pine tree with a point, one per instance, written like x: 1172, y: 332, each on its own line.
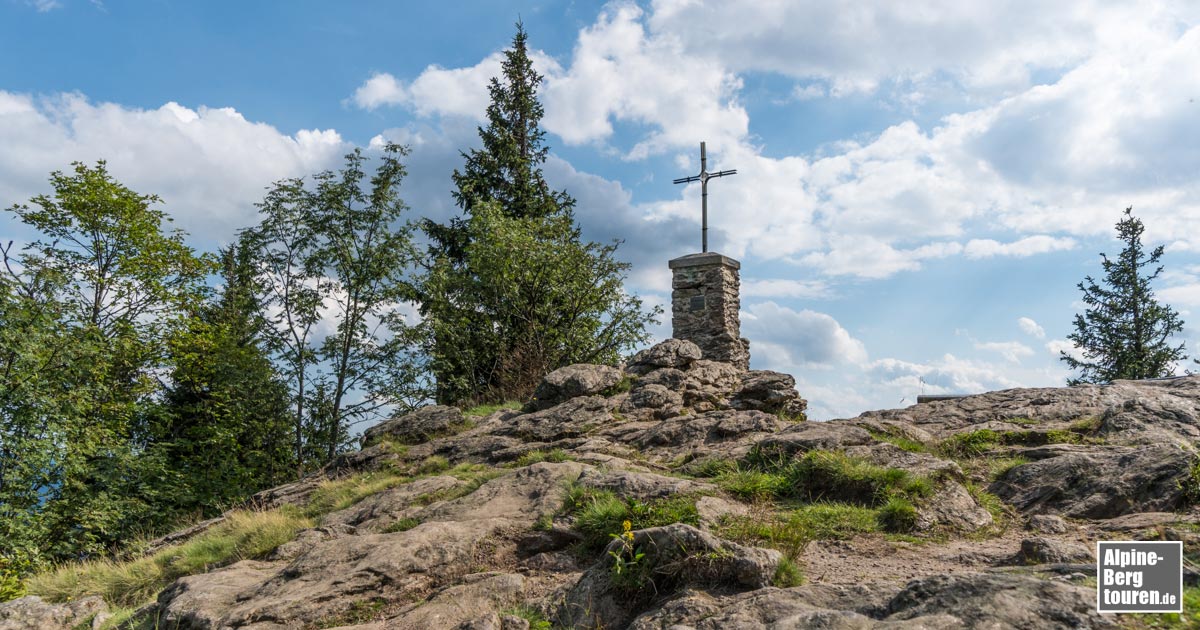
x: 1125, y: 331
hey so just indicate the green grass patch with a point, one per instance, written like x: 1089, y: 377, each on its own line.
x: 243, y: 535
x: 998, y: 467
x: 489, y: 409
x: 1191, y: 484
x: 533, y: 457
x: 790, y: 531
x: 787, y: 574
x: 339, y: 494
x: 791, y: 417
x: 710, y: 467
x: 600, y: 513
x: 835, y: 476
x: 978, y: 442
x: 401, y: 525
x: 1087, y: 425
x: 1025, y: 422
x: 753, y: 485
x: 432, y: 465
x: 900, y: 441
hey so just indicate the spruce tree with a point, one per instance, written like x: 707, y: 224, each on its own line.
x: 1125, y: 332
x: 512, y: 291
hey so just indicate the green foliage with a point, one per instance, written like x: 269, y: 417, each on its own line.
x: 86, y: 312
x: 1000, y: 466
x: 11, y: 585
x: 1191, y: 484
x: 338, y: 247
x: 512, y: 291
x: 898, y: 515
x: 599, y: 513
x: 1124, y: 332
x: 225, y: 419
x: 1189, y: 619
x: 529, y: 297
x: 621, y: 386
x: 787, y: 574
x: 627, y: 572
x: 131, y: 583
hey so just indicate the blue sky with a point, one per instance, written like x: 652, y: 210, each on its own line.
x: 921, y: 185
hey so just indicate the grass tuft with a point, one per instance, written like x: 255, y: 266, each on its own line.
x: 339, y: 494
x: 900, y: 441
x: 243, y: 535
x: 533, y: 457
x: 489, y: 409
x: 599, y: 513
x: 898, y: 516
x: 401, y: 525
x: 787, y: 574
x: 790, y: 531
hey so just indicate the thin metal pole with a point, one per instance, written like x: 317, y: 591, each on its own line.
x: 703, y: 200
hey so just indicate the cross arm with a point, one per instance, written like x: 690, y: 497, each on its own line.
x: 684, y: 180
x: 723, y: 173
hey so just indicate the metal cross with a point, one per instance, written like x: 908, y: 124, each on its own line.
x: 703, y: 178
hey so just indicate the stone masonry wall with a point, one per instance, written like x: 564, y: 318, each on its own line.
x: 704, y: 307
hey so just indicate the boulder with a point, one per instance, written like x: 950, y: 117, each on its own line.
x: 573, y: 418
x: 1085, y: 481
x: 675, y: 557
x: 998, y: 600
x: 772, y: 392
x: 1041, y: 550
x: 1047, y: 524
x: 663, y: 402
x: 707, y: 385
x: 573, y: 381
x: 31, y: 611
x: 418, y: 426
x: 672, y: 353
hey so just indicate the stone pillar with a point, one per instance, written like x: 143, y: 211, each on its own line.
x: 704, y: 307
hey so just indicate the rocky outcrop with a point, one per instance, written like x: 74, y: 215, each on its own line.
x: 472, y: 529
x: 1098, y: 482
x: 419, y: 426
x: 31, y: 612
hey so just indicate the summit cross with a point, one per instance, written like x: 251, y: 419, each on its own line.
x: 703, y: 178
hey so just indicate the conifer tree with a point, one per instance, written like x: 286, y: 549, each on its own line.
x: 1125, y: 332
x: 512, y: 291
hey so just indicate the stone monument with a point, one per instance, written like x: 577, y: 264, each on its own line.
x: 704, y: 291
x: 704, y: 306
